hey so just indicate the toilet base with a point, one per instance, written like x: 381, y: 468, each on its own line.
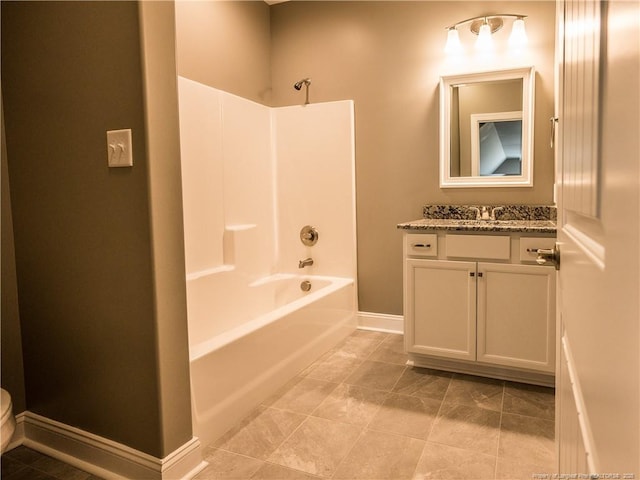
x: 7, y: 421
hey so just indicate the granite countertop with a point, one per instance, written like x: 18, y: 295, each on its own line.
x: 508, y: 218
x: 533, y: 226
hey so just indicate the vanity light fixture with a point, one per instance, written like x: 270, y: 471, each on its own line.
x: 484, y: 27
x: 518, y: 37
x: 484, y: 41
x: 453, y: 45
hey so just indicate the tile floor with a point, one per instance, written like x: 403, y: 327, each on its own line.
x: 360, y: 413
x: 22, y: 463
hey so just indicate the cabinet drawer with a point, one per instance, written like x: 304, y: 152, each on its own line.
x: 529, y: 245
x: 422, y: 245
x: 495, y: 247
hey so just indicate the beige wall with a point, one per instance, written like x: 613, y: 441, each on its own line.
x: 98, y: 335
x: 388, y: 56
x: 157, y: 20
x: 226, y: 45
x: 10, y: 336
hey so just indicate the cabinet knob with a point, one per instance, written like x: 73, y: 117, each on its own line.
x: 421, y: 245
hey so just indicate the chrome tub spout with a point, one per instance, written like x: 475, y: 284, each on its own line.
x: 307, y: 262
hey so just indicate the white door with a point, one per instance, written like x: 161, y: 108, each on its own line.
x: 597, y: 151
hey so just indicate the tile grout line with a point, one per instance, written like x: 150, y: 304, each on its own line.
x: 440, y: 408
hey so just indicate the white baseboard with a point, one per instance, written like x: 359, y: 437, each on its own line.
x: 381, y: 322
x: 104, y: 457
x: 576, y: 446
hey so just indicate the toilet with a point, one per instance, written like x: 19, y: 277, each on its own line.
x: 8, y: 420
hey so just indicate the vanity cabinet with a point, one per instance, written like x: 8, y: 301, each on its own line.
x: 480, y: 304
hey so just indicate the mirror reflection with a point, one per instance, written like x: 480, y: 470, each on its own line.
x: 486, y: 128
x: 486, y: 120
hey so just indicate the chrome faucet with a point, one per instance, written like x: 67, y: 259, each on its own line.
x: 493, y: 212
x: 307, y: 262
x: 485, y: 213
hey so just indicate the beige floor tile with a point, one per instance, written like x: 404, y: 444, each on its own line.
x: 391, y: 350
x: 335, y: 367
x: 364, y: 383
x: 317, y: 446
x: 529, y: 400
x: 269, y: 471
x: 475, y: 391
x: 423, y: 382
x: 518, y: 470
x: 23, y: 455
x: 379, y: 455
x: 370, y: 334
x: 302, y: 395
x: 351, y: 404
x: 471, y: 428
x: 59, y: 469
x: 260, y: 433
x: 406, y: 415
x: 318, y: 360
x: 361, y: 343
x: 528, y: 440
x: 442, y: 462
x: 228, y: 465
x: 376, y: 375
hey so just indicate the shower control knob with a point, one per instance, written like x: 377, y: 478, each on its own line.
x: 308, y: 235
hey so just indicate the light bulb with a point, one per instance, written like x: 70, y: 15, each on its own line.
x: 484, y: 41
x: 518, y: 37
x: 453, y: 45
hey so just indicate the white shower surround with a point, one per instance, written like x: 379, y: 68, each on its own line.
x: 252, y: 177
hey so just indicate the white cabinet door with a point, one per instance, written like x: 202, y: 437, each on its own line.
x: 440, y: 308
x: 516, y: 316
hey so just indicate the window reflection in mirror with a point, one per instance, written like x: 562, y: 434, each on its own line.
x: 496, y: 144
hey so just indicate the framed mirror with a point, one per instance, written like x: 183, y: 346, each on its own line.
x: 486, y: 129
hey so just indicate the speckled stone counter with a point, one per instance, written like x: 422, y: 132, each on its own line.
x: 508, y: 218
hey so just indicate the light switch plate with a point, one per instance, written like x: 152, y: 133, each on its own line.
x: 119, y: 151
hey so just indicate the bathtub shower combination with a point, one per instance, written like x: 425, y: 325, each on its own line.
x: 270, y: 246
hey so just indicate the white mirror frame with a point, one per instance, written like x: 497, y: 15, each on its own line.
x: 527, y: 74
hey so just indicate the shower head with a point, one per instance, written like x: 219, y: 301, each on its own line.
x: 305, y: 81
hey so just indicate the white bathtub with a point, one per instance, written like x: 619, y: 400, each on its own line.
x: 245, y: 345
